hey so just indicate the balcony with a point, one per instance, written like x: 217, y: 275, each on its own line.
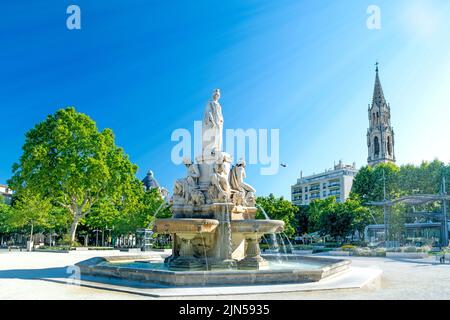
x: 334, y: 185
x: 315, y: 196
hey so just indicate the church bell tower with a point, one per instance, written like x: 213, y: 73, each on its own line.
x: 380, y: 135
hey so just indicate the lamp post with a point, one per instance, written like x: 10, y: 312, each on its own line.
x: 385, y: 211
x: 96, y: 237
x: 109, y: 229
x: 444, y: 209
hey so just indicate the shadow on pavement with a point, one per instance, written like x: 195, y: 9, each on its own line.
x: 62, y: 272
x: 415, y: 261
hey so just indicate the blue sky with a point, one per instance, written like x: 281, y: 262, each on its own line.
x: 145, y: 68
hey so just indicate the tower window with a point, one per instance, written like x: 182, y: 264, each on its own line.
x: 389, y: 146
x: 376, y: 145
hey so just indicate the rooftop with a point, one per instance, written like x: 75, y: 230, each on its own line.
x: 338, y: 170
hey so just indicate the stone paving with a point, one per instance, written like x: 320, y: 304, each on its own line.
x: 30, y: 275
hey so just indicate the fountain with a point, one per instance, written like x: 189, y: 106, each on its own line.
x: 214, y: 209
x: 214, y: 230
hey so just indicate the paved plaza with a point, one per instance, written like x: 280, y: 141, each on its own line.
x: 46, y: 275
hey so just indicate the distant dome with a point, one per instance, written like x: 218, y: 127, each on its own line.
x: 150, y: 182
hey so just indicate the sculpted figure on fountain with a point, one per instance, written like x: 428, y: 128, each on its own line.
x: 243, y: 193
x: 220, y: 190
x: 212, y: 126
x: 186, y: 189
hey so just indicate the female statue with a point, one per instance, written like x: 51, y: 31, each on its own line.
x: 212, y: 126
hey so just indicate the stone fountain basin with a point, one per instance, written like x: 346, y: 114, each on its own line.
x: 257, y: 226
x: 110, y: 267
x: 172, y: 225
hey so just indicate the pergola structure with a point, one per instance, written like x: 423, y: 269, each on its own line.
x: 416, y: 200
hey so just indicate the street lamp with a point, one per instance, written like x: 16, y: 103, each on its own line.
x: 96, y: 237
x: 110, y: 229
x: 444, y: 209
x: 52, y: 234
x: 385, y: 211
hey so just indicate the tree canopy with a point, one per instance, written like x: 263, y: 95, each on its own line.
x: 337, y: 219
x: 404, y: 180
x: 31, y: 211
x: 68, y: 160
x: 279, y: 209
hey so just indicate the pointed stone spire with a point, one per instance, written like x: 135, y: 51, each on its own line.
x: 378, y: 95
x: 380, y: 135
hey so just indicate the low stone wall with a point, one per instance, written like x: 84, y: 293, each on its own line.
x: 302, y: 252
x: 51, y: 250
x: 130, y: 249
x: 407, y: 255
x: 339, y: 253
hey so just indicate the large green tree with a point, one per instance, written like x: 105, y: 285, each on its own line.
x: 279, y: 209
x: 404, y: 180
x: 303, y: 219
x: 151, y: 206
x: 68, y: 160
x: 31, y: 211
x: 370, y: 183
x: 5, y: 218
x: 337, y: 219
x: 425, y: 178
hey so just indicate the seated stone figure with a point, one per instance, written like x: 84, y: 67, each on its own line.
x: 220, y: 188
x: 243, y: 193
x: 184, y: 188
x: 197, y: 197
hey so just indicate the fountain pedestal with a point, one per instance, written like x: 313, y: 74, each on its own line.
x: 253, y: 259
x: 223, y: 245
x: 186, y: 260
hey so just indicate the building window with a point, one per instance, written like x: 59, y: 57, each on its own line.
x: 376, y: 145
x: 389, y: 146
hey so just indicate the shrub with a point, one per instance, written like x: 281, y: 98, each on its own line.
x: 359, y: 243
x: 321, y: 249
x: 366, y: 252
x: 332, y: 244
x: 158, y: 246
x: 56, y: 248
x: 348, y: 247
x: 65, y: 241
x: 303, y: 247
x: 425, y: 249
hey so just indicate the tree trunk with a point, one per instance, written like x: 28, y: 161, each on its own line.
x: 73, y: 229
x: 31, y: 233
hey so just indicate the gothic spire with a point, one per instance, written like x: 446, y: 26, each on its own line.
x: 378, y: 96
